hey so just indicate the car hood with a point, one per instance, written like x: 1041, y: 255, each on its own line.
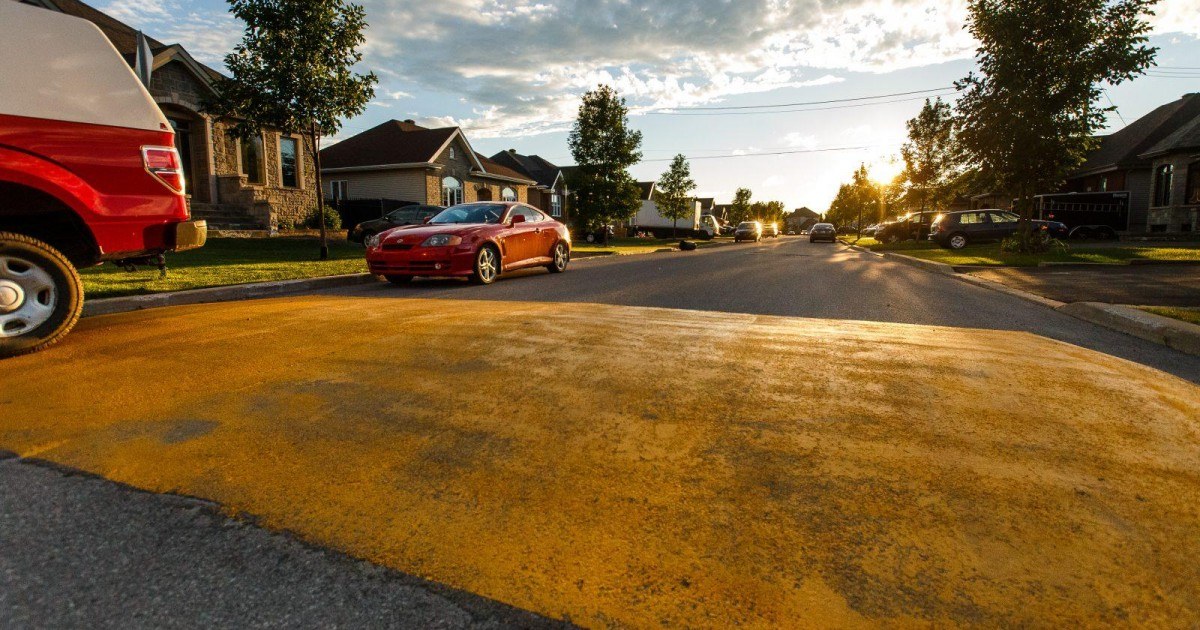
x: 418, y: 233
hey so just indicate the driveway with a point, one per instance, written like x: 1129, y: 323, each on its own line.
x: 1143, y: 285
x: 628, y: 466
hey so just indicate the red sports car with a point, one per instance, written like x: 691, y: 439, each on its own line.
x: 475, y: 240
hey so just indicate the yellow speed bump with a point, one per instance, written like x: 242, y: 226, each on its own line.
x: 640, y: 467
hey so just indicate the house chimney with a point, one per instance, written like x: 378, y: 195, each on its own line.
x: 410, y: 121
x: 512, y: 151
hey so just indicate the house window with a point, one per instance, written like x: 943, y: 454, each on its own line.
x: 289, y: 176
x: 1104, y: 184
x: 452, y: 153
x: 555, y: 205
x: 508, y: 194
x: 1163, y: 178
x: 252, y: 159
x: 338, y: 189
x: 452, y: 192
x: 1192, y: 196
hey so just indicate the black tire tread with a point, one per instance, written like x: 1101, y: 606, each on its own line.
x: 72, y: 274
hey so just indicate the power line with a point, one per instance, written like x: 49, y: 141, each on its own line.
x: 792, y: 111
x: 1115, y: 108
x: 836, y: 100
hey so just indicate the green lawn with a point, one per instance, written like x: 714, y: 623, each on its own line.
x: 1189, y: 315
x: 225, y: 261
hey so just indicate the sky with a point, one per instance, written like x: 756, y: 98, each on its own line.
x: 511, y: 73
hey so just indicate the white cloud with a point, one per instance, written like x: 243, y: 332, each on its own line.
x: 799, y: 140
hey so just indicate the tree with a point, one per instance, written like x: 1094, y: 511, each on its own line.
x: 604, y: 147
x: 1029, y: 116
x: 740, y: 209
x: 855, y: 200
x: 292, y: 71
x: 675, y: 188
x: 931, y: 157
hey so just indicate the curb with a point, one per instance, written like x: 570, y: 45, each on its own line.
x: 927, y: 265
x: 1172, y: 333
x: 109, y: 306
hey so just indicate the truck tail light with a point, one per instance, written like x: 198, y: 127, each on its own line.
x: 164, y: 164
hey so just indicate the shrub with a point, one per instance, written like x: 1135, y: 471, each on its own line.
x: 1038, y: 243
x: 333, y: 220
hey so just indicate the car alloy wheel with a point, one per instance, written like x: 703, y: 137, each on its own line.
x: 41, y: 296
x: 487, y: 266
x: 561, y: 258
x: 958, y: 241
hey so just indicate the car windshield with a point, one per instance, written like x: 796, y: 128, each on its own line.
x: 470, y: 213
x: 409, y: 214
x: 1008, y: 216
x: 747, y: 225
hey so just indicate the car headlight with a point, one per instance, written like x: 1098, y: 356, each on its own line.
x: 373, y: 241
x: 442, y: 240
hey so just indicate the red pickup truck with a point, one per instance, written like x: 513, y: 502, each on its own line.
x: 88, y: 172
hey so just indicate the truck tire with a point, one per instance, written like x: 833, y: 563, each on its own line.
x: 41, y: 295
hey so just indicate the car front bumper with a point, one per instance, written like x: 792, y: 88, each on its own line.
x: 421, y: 261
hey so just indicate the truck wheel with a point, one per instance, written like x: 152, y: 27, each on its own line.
x: 41, y: 295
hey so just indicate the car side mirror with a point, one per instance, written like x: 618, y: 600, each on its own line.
x: 518, y: 218
x: 426, y: 219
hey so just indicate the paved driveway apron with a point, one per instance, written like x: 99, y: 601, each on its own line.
x: 619, y: 465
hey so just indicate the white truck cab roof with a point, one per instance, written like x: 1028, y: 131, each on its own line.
x: 60, y: 67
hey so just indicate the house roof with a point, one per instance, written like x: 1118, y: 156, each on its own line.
x: 1185, y: 138
x: 405, y: 143
x: 1127, y: 148
x: 533, y: 167
x: 122, y: 36
x: 647, y: 189
x: 393, y: 142
x: 492, y: 168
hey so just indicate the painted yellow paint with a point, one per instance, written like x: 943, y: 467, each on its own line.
x: 622, y: 466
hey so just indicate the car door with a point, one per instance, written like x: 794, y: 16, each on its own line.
x: 522, y: 240
x: 547, y: 235
x: 1003, y: 225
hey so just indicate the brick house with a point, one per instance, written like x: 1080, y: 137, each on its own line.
x: 1156, y: 159
x: 260, y: 182
x: 551, y: 191
x: 400, y: 160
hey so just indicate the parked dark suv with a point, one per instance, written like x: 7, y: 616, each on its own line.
x: 912, y: 226
x: 956, y: 230
x: 407, y: 215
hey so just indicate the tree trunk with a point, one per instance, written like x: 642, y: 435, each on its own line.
x: 316, y: 142
x: 675, y: 228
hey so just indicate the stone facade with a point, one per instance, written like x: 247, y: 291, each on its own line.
x: 1182, y: 214
x: 475, y: 188
x: 217, y: 186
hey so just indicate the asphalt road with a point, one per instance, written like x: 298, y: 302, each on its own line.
x: 1146, y: 285
x: 77, y: 551
x: 792, y: 277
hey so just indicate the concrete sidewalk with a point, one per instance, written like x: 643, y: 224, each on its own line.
x: 1145, y: 284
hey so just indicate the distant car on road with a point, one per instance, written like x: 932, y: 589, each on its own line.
x: 870, y: 230
x: 479, y: 241
x: 406, y: 215
x: 771, y: 230
x: 748, y: 231
x: 956, y: 230
x: 822, y: 232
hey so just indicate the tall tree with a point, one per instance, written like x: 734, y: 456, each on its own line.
x: 931, y: 157
x: 674, y: 198
x: 604, y: 147
x: 1028, y: 117
x: 293, y: 71
x: 739, y: 210
x: 855, y: 201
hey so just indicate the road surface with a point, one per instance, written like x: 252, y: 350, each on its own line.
x: 602, y: 464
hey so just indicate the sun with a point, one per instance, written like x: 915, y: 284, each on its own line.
x: 885, y: 169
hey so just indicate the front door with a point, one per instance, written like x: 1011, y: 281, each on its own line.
x: 183, y: 144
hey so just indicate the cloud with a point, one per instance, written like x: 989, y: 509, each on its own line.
x: 799, y: 140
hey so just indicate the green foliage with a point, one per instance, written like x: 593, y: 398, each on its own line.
x: 673, y: 199
x: 293, y: 68
x: 740, y: 210
x: 767, y: 211
x: 931, y: 158
x: 1029, y: 116
x: 333, y: 220
x: 1037, y: 243
x: 859, y: 198
x: 604, y: 147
